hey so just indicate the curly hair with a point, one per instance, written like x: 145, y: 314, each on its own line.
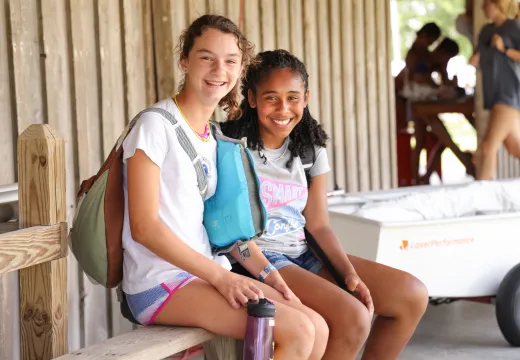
x: 305, y: 135
x: 223, y: 24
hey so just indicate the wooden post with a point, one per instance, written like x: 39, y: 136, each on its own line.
x: 43, y: 288
x: 349, y: 97
x: 481, y: 115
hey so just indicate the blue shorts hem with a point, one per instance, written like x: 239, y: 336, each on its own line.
x: 306, y: 261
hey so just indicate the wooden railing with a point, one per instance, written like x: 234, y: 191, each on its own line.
x: 36, y: 245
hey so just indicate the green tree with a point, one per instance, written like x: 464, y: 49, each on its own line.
x: 413, y: 14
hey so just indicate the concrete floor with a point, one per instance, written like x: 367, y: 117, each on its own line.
x: 457, y: 331
x: 460, y: 330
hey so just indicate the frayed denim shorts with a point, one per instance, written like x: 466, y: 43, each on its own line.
x: 307, y: 261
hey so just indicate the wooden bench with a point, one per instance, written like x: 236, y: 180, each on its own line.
x: 39, y: 251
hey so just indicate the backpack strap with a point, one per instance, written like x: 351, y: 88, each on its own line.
x: 183, y: 140
x: 216, y: 131
x: 308, y: 159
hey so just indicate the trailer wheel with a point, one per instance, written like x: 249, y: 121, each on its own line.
x: 507, y: 308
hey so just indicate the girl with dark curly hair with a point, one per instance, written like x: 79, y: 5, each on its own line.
x: 280, y: 130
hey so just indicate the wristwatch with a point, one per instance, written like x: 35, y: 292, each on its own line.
x: 265, y: 272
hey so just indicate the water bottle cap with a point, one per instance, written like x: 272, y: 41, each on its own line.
x: 262, y: 308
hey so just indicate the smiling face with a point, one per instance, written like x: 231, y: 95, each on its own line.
x: 280, y: 100
x: 213, y: 66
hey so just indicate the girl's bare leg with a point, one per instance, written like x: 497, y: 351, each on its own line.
x: 503, y: 125
x: 400, y: 301
x: 199, y: 304
x: 512, y: 141
x: 347, y: 318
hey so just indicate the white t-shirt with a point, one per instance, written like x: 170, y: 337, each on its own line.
x: 181, y: 207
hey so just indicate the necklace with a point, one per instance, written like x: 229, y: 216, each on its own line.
x: 207, y: 132
x: 283, y: 153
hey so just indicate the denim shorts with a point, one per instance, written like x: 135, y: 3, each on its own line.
x: 307, y: 261
x: 147, y: 304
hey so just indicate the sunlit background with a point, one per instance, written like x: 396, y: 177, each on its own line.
x: 408, y: 16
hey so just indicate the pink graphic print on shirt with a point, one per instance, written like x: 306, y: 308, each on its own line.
x: 277, y: 193
x: 278, y: 198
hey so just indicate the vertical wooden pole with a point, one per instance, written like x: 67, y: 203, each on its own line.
x: 383, y: 59
x: 310, y: 43
x: 373, y: 120
x: 268, y: 25
x: 360, y: 61
x: 196, y: 8
x: 323, y: 57
x: 283, y: 27
x: 164, y: 48
x: 217, y: 7
x: 252, y: 23
x: 111, y: 80
x: 135, y: 57
x: 337, y: 88
x: 481, y: 115
x: 43, y: 288
x: 233, y: 11
x: 9, y: 338
x: 296, y: 27
x: 26, y: 62
x: 348, y: 70
x: 391, y: 98
x: 149, y: 56
x: 86, y: 65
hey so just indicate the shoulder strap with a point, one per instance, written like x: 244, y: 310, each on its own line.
x: 219, y: 135
x: 183, y: 140
x: 215, y: 129
x: 308, y: 159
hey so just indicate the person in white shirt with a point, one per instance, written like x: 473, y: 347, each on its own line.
x: 170, y: 275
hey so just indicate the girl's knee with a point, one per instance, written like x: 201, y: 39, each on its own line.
x: 303, y: 335
x: 295, y: 332
x: 359, y: 323
x: 350, y: 322
x: 414, y: 297
x: 321, y: 335
x: 321, y: 328
x: 419, y: 298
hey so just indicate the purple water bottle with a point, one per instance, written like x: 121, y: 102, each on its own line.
x: 259, y: 341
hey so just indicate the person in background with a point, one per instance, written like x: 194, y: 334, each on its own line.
x: 439, y: 60
x: 418, y: 54
x: 498, y: 56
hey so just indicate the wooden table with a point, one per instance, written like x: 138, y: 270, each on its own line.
x: 426, y: 114
x: 430, y: 109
